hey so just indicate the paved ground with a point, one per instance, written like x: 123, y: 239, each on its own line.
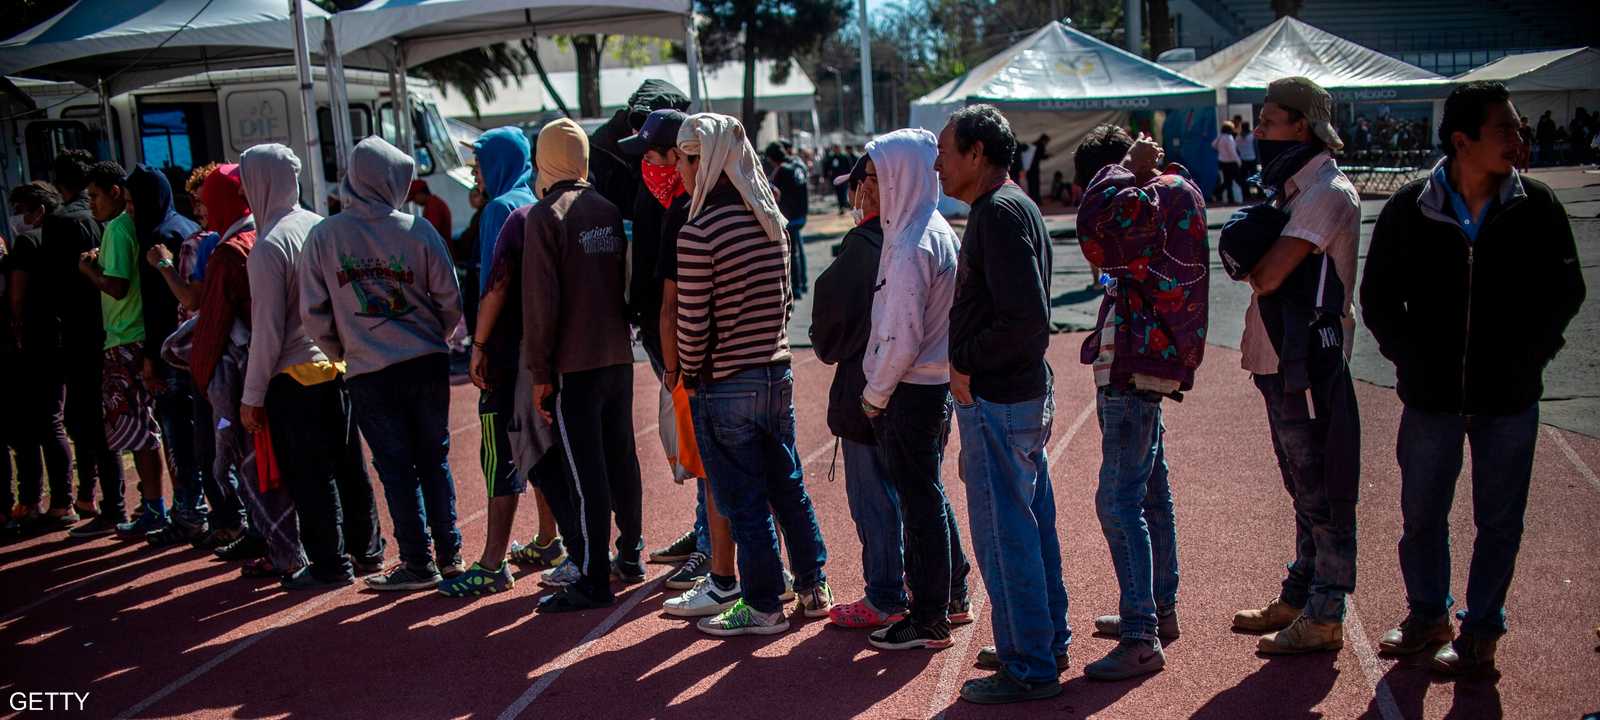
x: 171, y: 633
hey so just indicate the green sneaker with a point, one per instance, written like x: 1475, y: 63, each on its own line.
x: 478, y: 580
x: 536, y: 556
x: 741, y: 619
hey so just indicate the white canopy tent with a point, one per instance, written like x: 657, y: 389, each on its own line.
x: 1560, y: 81
x: 1289, y: 47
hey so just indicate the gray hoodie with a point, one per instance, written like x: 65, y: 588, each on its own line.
x: 271, y: 175
x: 376, y: 285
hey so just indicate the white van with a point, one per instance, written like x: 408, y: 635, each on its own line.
x: 179, y: 124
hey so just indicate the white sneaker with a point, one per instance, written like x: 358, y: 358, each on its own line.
x: 705, y: 598
x: 562, y: 575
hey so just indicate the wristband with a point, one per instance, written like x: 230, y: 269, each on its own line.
x: 164, y: 263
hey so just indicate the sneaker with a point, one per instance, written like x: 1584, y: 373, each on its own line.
x: 628, y: 571
x: 989, y: 659
x: 1469, y: 654
x: 97, y: 527
x: 1001, y: 688
x: 534, y: 555
x: 453, y: 568
x: 677, y: 552
x: 366, y: 566
x: 302, y: 579
x: 816, y: 602
x: 572, y: 599
x: 148, y: 522
x: 741, y: 619
x: 58, y: 519
x: 698, y: 566
x: 562, y: 575
x: 907, y: 635
x: 406, y: 578
x: 863, y: 614
x: 86, y: 509
x: 1277, y: 615
x: 704, y: 599
x: 1415, y: 634
x: 961, y: 613
x: 788, y: 588
x: 478, y: 580
x: 1166, y: 625
x: 1304, y: 635
x: 1129, y: 659
x: 247, y: 547
x: 175, y: 533
x: 214, y: 539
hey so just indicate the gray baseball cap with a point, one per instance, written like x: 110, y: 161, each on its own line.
x: 1307, y: 97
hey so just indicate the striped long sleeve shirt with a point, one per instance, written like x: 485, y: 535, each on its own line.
x: 734, y: 297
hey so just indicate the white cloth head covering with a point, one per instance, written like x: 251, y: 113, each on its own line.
x: 720, y: 142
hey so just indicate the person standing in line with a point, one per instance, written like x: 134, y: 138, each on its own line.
x: 378, y: 291
x: 128, y: 404
x: 1248, y: 166
x: 907, y: 392
x: 576, y: 346
x: 1146, y: 231
x: 1227, y: 162
x: 1546, y: 135
x: 1304, y: 378
x: 1005, y: 406
x: 789, y: 181
x: 295, y: 394
x: 1481, y: 230
x: 1036, y: 157
x: 734, y: 302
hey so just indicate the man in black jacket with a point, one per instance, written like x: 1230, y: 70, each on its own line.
x: 1470, y: 282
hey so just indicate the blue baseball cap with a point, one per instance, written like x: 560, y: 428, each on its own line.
x: 659, y: 132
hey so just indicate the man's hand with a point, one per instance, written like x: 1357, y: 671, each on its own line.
x: 253, y: 417
x: 152, y: 381
x: 542, y: 393
x: 157, y: 254
x: 478, y: 367
x: 88, y: 261
x: 870, y: 410
x: 961, y: 387
x: 1144, y: 158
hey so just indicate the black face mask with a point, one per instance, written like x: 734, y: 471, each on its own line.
x: 1269, y: 150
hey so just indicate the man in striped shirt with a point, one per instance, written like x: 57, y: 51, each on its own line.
x: 734, y: 301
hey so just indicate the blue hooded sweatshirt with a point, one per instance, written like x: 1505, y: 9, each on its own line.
x: 154, y: 221
x: 507, y: 168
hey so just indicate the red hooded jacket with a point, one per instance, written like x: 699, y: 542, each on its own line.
x: 225, y: 296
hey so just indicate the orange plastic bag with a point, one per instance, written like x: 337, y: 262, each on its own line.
x: 688, y: 450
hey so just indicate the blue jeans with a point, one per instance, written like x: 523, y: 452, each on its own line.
x: 875, y: 509
x: 1135, y: 507
x: 404, y: 412
x: 1429, y: 451
x: 1012, y: 512
x: 744, y: 425
x: 175, y: 412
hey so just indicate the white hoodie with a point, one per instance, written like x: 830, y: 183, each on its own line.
x: 916, y: 284
x: 271, y: 176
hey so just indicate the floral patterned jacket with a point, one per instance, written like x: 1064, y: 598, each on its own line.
x: 1149, y: 243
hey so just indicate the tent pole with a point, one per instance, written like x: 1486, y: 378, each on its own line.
x: 308, y: 107
x: 1132, y: 15
x: 868, y: 113
x: 339, y: 96
x: 544, y: 77
x: 691, y: 47
x: 106, y: 118
x: 402, y: 103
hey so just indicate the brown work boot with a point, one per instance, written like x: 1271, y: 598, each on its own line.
x: 1304, y: 635
x: 1277, y: 615
x: 1415, y: 634
x: 1468, y: 654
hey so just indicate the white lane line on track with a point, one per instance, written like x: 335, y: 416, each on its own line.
x: 1372, y: 666
x: 957, y: 658
x: 1572, y: 455
x: 571, y: 657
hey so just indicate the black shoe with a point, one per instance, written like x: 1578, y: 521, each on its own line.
x: 678, y: 551
x: 628, y: 571
x: 907, y: 635
x: 692, y: 571
x: 571, y: 599
x: 366, y: 566
x: 248, y: 547
x: 1001, y: 688
x: 174, y: 533
x: 302, y: 579
x: 214, y: 539
x: 98, y: 527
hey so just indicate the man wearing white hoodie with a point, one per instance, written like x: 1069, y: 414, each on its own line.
x: 378, y: 291
x: 295, y: 393
x: 907, y: 368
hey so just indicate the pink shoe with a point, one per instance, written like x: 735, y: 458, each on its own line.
x: 861, y: 614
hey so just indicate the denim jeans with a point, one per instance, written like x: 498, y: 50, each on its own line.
x: 875, y: 510
x: 175, y: 411
x: 1012, y: 510
x: 745, y: 427
x: 404, y: 412
x: 911, y: 433
x: 1429, y: 450
x: 1134, y: 502
x: 1318, y: 462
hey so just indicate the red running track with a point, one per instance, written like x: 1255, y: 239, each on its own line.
x: 168, y: 633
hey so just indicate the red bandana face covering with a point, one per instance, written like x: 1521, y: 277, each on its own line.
x: 662, y: 181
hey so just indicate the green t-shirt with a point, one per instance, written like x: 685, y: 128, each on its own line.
x: 119, y: 258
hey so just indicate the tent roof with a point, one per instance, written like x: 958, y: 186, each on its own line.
x: 1553, y: 70
x: 723, y: 84
x: 1060, y: 68
x: 133, y: 43
x: 432, y: 29
x: 1289, y: 47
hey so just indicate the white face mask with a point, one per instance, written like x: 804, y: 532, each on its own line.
x: 858, y: 215
x: 19, y: 225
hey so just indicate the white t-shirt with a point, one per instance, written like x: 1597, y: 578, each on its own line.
x: 1247, y: 147
x: 1227, y: 150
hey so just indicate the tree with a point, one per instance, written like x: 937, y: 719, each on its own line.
x: 1160, y: 24
x: 778, y: 30
x: 587, y: 48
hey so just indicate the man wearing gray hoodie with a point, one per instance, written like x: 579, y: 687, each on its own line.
x: 378, y: 291
x: 293, y: 392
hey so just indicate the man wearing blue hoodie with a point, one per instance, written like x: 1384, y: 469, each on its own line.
x: 506, y: 164
x: 378, y: 291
